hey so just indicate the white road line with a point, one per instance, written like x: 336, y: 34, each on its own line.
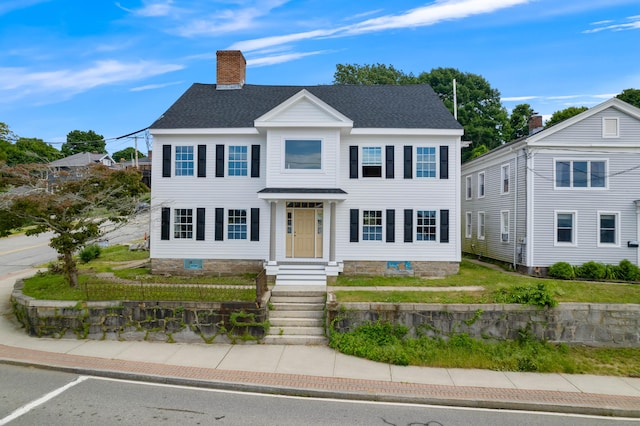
x: 26, y: 408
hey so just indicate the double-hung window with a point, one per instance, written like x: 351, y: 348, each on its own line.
x: 183, y: 223
x: 184, y: 160
x: 372, y: 225
x: 469, y: 225
x: 504, y: 226
x: 565, y: 228
x: 608, y: 228
x: 481, y: 217
x: 237, y: 224
x: 426, y: 162
x: 480, y: 184
x: 371, y: 161
x: 237, y: 165
x: 469, y: 188
x: 505, y: 172
x: 426, y: 225
x: 580, y: 174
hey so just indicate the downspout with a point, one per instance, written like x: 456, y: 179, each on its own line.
x: 515, y: 213
x: 637, y: 202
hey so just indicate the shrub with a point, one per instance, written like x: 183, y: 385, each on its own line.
x: 89, y: 253
x: 628, y: 271
x: 591, y: 271
x: 562, y: 270
x: 538, y: 295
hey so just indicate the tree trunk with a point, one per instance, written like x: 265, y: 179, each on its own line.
x: 70, y: 269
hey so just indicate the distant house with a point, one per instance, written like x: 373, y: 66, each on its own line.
x: 75, y: 165
x: 567, y: 193
x: 326, y: 179
x: 143, y: 165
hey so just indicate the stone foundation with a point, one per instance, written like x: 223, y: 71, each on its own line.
x: 210, y: 267
x: 425, y: 269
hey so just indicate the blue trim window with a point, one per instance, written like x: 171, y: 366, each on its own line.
x: 426, y: 225
x: 237, y: 224
x: 426, y: 162
x: 372, y: 225
x: 183, y: 223
x: 237, y: 161
x: 184, y: 161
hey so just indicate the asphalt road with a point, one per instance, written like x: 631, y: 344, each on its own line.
x: 30, y: 396
x: 19, y: 252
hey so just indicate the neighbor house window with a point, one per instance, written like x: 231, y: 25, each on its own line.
x: 566, y: 228
x: 481, y: 217
x: 468, y: 225
x: 426, y: 225
x: 303, y: 154
x: 184, y: 161
x: 372, y: 225
x: 610, y: 127
x: 469, y: 188
x: 608, y: 228
x: 237, y: 161
x: 183, y: 223
x: 505, y: 172
x: 372, y: 161
x: 426, y: 162
x: 580, y: 174
x: 480, y: 184
x: 237, y: 224
x: 504, y: 226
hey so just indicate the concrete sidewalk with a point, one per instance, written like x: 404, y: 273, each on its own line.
x: 314, y: 371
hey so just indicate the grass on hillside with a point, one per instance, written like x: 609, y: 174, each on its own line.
x: 472, y: 274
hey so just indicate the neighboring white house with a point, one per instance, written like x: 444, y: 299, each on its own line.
x: 567, y: 193
x: 344, y: 178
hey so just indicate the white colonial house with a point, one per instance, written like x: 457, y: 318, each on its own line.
x: 567, y: 193
x: 336, y: 178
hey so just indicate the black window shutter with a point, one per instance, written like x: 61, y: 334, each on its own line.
x: 200, y: 224
x: 219, y: 232
x: 408, y: 226
x: 391, y: 226
x: 166, y: 160
x: 255, y: 161
x: 164, y: 223
x: 353, y: 225
x: 255, y: 224
x: 353, y: 162
x: 202, y: 161
x: 389, y: 172
x: 444, y: 226
x: 408, y: 162
x: 444, y: 162
x: 219, y: 160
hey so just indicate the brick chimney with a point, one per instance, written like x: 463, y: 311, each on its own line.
x: 231, y: 69
x: 535, y: 123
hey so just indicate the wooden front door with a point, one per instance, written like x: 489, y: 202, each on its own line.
x: 304, y: 230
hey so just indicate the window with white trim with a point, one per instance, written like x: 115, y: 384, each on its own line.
x: 184, y: 161
x: 371, y: 161
x: 505, y: 175
x: 426, y: 225
x: 237, y: 224
x: 481, y: 184
x: 610, y: 127
x: 504, y: 226
x: 481, y: 218
x: 183, y: 223
x: 565, y: 226
x: 468, y: 225
x: 608, y: 228
x: 372, y: 225
x: 303, y: 154
x: 580, y: 174
x: 426, y: 161
x: 469, y: 188
x: 237, y: 160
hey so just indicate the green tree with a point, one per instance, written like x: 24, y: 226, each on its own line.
x: 76, y: 210
x: 519, y: 120
x: 34, y: 150
x: 128, y: 154
x: 80, y: 141
x: 564, y: 114
x: 370, y: 74
x: 630, y: 96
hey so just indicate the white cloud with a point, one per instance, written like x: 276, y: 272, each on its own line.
x: 154, y: 86
x: 441, y: 10
x: 278, y: 59
x: 519, y: 98
x: 633, y: 23
x: 152, y: 9
x: 10, y: 5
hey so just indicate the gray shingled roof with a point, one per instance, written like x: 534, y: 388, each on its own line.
x: 379, y: 106
x: 78, y: 160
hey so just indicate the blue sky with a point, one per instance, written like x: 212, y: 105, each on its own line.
x: 114, y: 67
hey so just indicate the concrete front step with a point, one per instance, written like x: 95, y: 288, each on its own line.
x: 297, y: 299
x: 299, y: 290
x: 295, y: 322
x: 299, y: 282
x: 274, y: 314
x: 295, y: 340
x: 296, y: 331
x: 298, y: 306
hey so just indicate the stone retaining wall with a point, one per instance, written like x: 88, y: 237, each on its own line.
x: 611, y: 325
x: 210, y: 267
x: 406, y: 268
x: 166, y: 321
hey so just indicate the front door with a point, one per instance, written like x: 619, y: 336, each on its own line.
x: 304, y: 230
